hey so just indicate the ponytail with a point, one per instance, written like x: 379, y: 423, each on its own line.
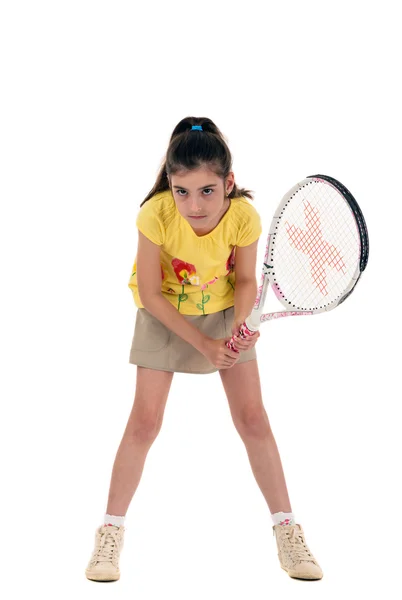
x: 191, y: 149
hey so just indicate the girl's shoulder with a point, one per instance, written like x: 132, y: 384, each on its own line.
x: 243, y: 210
x: 155, y: 216
x: 159, y: 200
x: 160, y: 206
x: 245, y: 222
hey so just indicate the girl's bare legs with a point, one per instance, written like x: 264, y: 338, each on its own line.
x: 143, y: 426
x: 242, y: 387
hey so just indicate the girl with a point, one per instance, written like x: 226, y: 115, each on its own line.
x: 194, y: 284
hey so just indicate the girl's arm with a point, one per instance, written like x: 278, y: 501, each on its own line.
x: 245, y: 283
x: 149, y: 289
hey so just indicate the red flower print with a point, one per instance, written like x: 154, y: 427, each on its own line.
x: 184, y: 273
x: 183, y: 270
x: 230, y: 264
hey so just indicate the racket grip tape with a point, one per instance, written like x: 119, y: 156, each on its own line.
x: 244, y: 332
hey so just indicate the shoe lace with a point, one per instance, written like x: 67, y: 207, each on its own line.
x: 107, y: 545
x: 300, y: 550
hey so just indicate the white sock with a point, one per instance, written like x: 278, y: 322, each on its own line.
x: 113, y: 520
x: 282, y: 518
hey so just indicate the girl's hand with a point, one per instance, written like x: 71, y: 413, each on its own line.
x: 243, y: 344
x: 219, y: 354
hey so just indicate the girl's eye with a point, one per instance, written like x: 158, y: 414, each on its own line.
x: 206, y: 190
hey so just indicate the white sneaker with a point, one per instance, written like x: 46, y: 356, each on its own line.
x: 294, y: 555
x: 104, y: 563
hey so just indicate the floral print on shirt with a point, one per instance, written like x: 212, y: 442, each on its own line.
x: 207, y: 297
x: 186, y: 275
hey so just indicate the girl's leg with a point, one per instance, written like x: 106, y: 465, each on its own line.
x: 242, y: 387
x: 144, y: 423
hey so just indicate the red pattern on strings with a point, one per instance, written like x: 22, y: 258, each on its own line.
x: 311, y: 242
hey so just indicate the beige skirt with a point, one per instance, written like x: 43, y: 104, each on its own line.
x: 154, y: 346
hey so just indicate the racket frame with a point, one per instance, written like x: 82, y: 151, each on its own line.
x: 253, y: 322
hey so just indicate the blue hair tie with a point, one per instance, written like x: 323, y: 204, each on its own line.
x: 199, y: 127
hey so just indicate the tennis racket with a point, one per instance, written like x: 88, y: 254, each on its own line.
x: 316, y: 252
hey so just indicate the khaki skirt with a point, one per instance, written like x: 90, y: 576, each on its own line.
x: 154, y: 346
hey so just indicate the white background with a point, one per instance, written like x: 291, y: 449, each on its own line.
x: 91, y: 92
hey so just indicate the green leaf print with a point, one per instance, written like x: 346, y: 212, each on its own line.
x: 182, y: 297
x: 204, y: 299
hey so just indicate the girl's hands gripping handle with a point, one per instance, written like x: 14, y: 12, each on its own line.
x: 219, y: 354
x: 241, y: 338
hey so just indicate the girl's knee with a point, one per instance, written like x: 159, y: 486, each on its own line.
x: 253, y: 423
x: 144, y: 427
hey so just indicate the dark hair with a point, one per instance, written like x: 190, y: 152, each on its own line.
x: 190, y: 149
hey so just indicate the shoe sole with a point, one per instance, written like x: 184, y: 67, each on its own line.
x: 102, y: 577
x: 312, y: 578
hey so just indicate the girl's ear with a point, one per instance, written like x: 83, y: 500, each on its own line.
x: 230, y: 182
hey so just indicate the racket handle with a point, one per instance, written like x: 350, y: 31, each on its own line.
x: 244, y: 331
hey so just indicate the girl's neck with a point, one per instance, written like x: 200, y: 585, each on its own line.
x: 217, y: 220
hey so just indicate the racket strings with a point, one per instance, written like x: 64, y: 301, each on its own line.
x: 311, y: 242
x: 361, y: 224
x: 316, y: 247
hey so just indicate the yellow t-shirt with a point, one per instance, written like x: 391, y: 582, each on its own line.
x: 197, y: 272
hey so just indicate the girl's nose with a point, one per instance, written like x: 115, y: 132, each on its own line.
x: 195, y: 205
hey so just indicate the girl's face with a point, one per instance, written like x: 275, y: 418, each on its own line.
x: 200, y: 197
